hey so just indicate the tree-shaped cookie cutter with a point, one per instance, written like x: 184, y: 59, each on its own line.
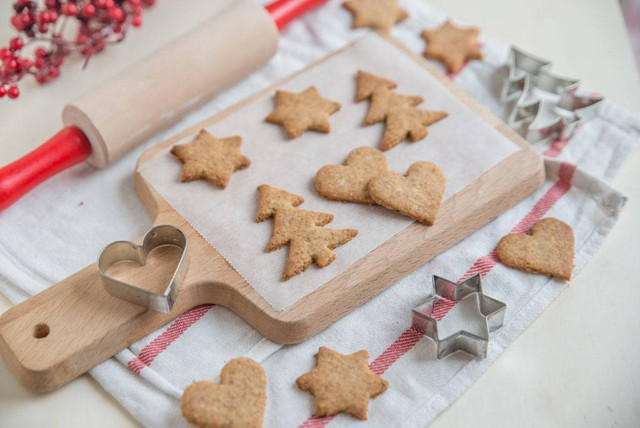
x: 447, y: 294
x: 545, y: 105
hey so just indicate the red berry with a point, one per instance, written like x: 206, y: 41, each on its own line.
x: 70, y: 9
x: 16, y: 21
x: 134, y: 2
x: 53, y: 16
x: 3, y: 91
x: 25, y: 63
x: 56, y: 60
x: 41, y: 79
x: 41, y: 52
x: 54, y: 72
x: 16, y: 44
x: 88, y: 10
x: 109, y: 4
x: 51, y: 4
x: 27, y: 20
x: 116, y: 14
x: 43, y: 27
x: 99, y: 45
x: 100, y: 4
x: 13, y: 92
x: 136, y: 21
x: 10, y: 64
x: 5, y: 53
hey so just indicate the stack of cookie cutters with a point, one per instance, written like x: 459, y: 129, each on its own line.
x: 545, y: 106
x: 447, y: 294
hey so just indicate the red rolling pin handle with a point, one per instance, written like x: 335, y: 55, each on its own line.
x: 66, y: 148
x: 285, y: 11
x: 69, y: 146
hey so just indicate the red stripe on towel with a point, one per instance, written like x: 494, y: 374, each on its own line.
x: 162, y: 342
x: 556, y: 147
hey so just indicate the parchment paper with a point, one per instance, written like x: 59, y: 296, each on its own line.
x: 463, y: 145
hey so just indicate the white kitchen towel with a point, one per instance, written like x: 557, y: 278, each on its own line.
x: 62, y: 226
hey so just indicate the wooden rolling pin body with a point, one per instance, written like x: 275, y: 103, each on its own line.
x: 157, y: 91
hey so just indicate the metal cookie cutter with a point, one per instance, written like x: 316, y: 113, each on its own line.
x: 124, y: 250
x: 447, y: 294
x: 546, y: 105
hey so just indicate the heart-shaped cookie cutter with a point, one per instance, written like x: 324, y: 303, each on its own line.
x: 119, y: 251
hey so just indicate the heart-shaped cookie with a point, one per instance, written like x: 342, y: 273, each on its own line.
x: 348, y: 182
x: 237, y: 401
x: 548, y: 250
x: 417, y: 195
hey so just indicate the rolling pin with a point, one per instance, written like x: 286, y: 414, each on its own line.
x: 155, y: 92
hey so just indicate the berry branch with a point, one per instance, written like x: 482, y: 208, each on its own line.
x: 99, y: 23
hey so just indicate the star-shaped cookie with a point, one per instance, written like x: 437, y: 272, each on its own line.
x: 210, y: 158
x: 300, y: 112
x: 342, y: 383
x: 452, y: 46
x: 378, y: 14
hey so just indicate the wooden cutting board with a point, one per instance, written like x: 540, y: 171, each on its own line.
x: 64, y: 331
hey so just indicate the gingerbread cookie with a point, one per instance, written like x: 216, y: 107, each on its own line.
x: 384, y: 100
x: 403, y: 118
x: 300, y: 112
x: 407, y: 121
x: 342, y: 383
x: 452, y: 46
x: 349, y: 183
x: 548, y: 250
x: 302, y: 230
x: 368, y: 83
x: 237, y: 401
x: 417, y: 195
x: 378, y: 14
x: 210, y: 158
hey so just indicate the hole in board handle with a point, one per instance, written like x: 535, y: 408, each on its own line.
x: 41, y: 331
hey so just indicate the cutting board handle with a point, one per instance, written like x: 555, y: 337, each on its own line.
x: 67, y: 329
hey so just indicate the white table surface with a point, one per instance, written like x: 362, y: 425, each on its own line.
x: 577, y: 365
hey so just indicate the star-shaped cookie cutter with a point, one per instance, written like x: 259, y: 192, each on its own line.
x: 128, y: 251
x: 545, y: 105
x: 447, y: 294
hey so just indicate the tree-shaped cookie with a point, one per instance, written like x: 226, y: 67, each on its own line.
x: 452, y: 46
x: 302, y: 230
x: 403, y: 118
x: 408, y: 122
x: 368, y: 83
x: 300, y: 112
x: 210, y: 158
